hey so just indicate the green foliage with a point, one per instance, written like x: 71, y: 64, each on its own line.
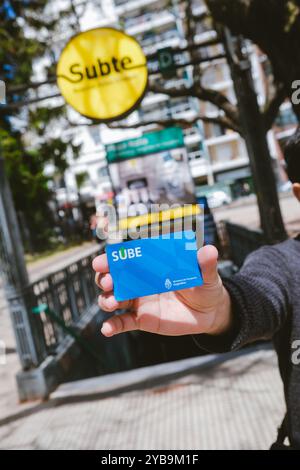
x: 25, y: 40
x: 293, y: 11
x: 81, y: 178
x: 29, y: 186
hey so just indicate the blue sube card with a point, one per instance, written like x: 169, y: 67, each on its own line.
x: 154, y: 265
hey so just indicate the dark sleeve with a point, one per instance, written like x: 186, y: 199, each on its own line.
x: 260, y: 297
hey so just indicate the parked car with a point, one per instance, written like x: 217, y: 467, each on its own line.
x: 286, y: 187
x: 218, y: 198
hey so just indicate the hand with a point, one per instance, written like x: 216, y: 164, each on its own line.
x: 204, y: 309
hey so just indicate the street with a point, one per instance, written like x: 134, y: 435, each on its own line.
x: 237, y: 404
x: 244, y: 211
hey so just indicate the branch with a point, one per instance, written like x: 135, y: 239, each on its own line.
x: 272, y: 107
x: 220, y: 101
x: 32, y: 85
x: 191, y: 34
x: 20, y: 104
x: 221, y: 120
x: 93, y: 122
x: 172, y: 92
x: 203, y: 94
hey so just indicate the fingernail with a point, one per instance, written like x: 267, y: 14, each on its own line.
x: 107, y: 329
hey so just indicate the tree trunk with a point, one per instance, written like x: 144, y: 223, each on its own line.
x: 256, y: 142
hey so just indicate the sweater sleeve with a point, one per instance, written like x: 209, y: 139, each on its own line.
x: 260, y: 296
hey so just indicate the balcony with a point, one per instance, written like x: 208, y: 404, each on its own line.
x: 230, y: 152
x: 170, y: 42
x: 195, y: 154
x: 205, y: 36
x: 181, y: 108
x: 192, y: 136
x: 222, y: 139
x: 217, y: 75
x: 148, y: 21
x: 198, y: 8
x: 171, y: 83
x: 152, y: 42
x: 122, y: 7
x: 199, y: 167
x: 177, y: 110
x: 153, y: 99
x: 235, y: 162
x: 190, y: 131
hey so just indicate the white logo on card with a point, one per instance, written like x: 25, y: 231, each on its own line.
x: 129, y: 253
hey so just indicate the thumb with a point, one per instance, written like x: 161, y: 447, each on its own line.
x: 208, y: 262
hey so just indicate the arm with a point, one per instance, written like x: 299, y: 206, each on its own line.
x: 260, y: 301
x: 221, y: 316
x: 203, y: 309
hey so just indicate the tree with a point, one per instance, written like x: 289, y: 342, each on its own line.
x: 274, y: 25
x: 27, y: 32
x: 228, y: 113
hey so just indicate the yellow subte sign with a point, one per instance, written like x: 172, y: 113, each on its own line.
x: 102, y: 73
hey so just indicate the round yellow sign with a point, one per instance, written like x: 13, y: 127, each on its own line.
x: 102, y: 73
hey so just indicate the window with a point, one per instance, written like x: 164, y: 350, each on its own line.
x: 286, y: 118
x: 103, y: 172
x: 213, y: 130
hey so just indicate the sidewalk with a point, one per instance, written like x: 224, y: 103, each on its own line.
x: 234, y: 405
x: 58, y: 261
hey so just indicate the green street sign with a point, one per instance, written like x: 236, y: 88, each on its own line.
x: 153, y: 142
x: 166, y: 61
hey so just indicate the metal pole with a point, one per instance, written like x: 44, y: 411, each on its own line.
x: 256, y: 141
x: 15, y: 277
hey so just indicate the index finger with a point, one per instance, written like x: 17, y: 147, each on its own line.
x: 100, y: 264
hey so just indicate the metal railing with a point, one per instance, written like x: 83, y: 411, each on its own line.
x: 69, y: 293
x: 241, y: 241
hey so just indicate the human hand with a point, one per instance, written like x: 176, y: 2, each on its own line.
x: 203, y: 309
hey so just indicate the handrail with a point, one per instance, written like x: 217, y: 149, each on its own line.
x: 69, y: 292
x: 242, y: 241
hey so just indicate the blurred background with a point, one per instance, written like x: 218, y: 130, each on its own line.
x: 225, y: 74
